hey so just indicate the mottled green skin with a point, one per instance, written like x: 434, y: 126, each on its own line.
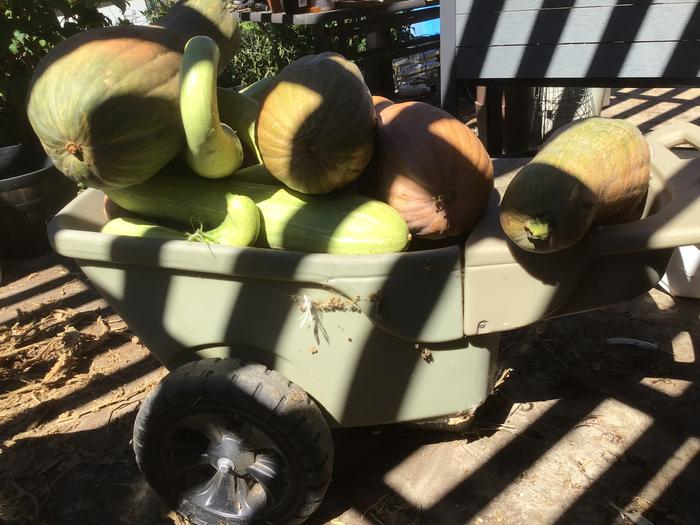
x: 343, y: 224
x: 104, y: 103
x: 240, y: 112
x: 594, y: 171
x: 240, y: 227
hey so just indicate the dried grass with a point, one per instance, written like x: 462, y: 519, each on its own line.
x: 391, y: 510
x: 54, y: 338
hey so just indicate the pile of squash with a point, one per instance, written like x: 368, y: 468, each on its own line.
x: 308, y: 160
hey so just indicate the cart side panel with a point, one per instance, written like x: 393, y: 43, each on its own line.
x: 506, y: 287
x: 316, y: 337
x: 413, y: 295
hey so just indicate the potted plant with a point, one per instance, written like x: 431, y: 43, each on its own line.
x: 31, y: 189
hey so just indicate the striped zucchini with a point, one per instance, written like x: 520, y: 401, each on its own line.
x: 347, y: 224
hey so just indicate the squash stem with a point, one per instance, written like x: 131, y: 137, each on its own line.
x: 240, y: 227
x: 537, y: 228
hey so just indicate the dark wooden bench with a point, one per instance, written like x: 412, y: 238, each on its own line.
x: 604, y: 43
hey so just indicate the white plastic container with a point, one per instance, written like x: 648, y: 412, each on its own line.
x: 682, y: 278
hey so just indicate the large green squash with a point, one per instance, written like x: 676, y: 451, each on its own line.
x: 341, y: 224
x: 316, y: 125
x: 104, y: 103
x: 258, y: 89
x: 594, y: 171
x: 240, y: 227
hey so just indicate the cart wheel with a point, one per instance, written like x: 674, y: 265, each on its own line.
x: 227, y: 442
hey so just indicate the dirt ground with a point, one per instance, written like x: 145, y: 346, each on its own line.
x: 580, y: 430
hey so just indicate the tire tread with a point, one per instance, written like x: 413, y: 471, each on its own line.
x: 248, y: 386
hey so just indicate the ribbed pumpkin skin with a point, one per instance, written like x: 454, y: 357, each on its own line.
x: 593, y: 171
x: 431, y: 168
x: 380, y: 103
x: 104, y: 103
x: 316, y: 125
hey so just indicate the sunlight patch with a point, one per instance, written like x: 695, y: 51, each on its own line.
x: 683, y: 350
x: 667, y: 386
x: 674, y: 467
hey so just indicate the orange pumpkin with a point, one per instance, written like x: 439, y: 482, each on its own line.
x: 380, y: 103
x: 316, y: 124
x: 431, y: 168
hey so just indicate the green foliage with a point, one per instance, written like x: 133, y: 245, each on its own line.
x: 28, y: 29
x: 266, y: 49
x: 156, y: 9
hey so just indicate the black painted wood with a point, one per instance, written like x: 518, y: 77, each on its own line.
x: 333, y: 15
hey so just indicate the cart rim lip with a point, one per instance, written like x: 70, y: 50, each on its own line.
x: 72, y: 235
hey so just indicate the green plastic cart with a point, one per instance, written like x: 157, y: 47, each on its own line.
x: 269, y: 349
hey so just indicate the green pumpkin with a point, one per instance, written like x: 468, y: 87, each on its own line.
x: 104, y: 103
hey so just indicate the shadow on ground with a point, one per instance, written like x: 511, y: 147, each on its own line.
x: 628, y: 414
x: 565, y: 378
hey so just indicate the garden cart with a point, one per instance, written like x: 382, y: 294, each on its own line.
x: 268, y: 350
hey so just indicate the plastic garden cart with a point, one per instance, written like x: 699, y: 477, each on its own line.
x: 268, y: 349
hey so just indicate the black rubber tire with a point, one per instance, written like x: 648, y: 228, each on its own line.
x: 255, y: 396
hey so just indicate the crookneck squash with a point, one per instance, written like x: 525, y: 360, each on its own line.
x: 104, y: 103
x: 240, y: 112
x: 213, y: 149
x: 240, y: 227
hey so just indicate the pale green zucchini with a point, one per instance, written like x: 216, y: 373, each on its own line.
x: 240, y: 226
x: 258, y: 174
x: 258, y: 89
x: 240, y: 113
x: 347, y: 224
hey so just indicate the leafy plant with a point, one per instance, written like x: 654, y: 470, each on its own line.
x: 156, y: 8
x: 266, y: 49
x: 29, y: 29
